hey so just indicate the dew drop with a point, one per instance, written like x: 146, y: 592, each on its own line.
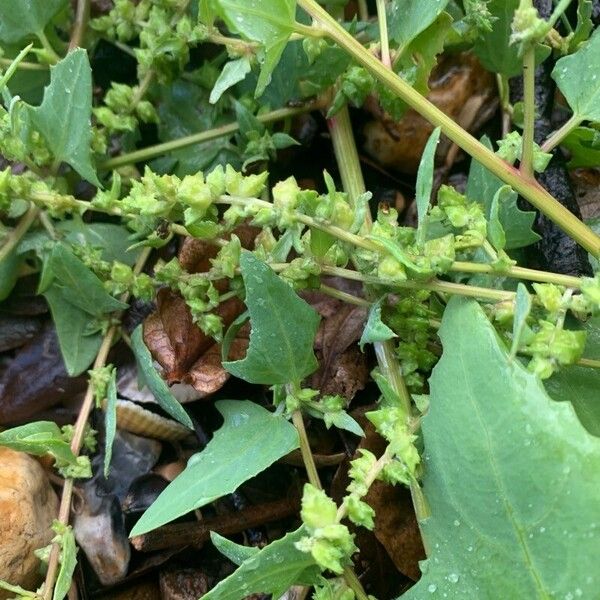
x: 453, y: 578
x: 431, y: 588
x: 456, y: 522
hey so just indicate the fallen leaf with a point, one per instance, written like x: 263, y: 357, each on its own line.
x: 174, y: 340
x: 343, y: 368
x: 207, y: 374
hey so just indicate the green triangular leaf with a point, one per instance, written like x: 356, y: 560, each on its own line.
x: 511, y: 477
x: 375, y: 329
x: 236, y: 553
x: 283, y: 329
x: 407, y: 18
x: 273, y: 570
x: 270, y: 22
x: 482, y: 187
x: 250, y: 440
x: 63, y: 117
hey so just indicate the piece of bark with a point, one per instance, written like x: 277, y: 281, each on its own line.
x: 36, y: 379
x: 28, y: 506
x: 16, y: 331
x: 196, y: 533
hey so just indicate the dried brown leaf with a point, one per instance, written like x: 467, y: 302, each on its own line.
x: 343, y: 367
x: 207, y: 374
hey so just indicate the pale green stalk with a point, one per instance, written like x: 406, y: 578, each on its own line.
x: 526, y: 166
x: 197, y: 138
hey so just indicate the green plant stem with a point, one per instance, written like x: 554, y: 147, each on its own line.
x: 514, y: 272
x: 13, y: 65
x: 305, y: 451
x: 383, y: 33
x: 198, y: 138
x: 589, y: 362
x: 47, y: 46
x: 526, y: 167
x: 518, y: 273
x: 82, y: 15
x: 25, y: 66
x: 433, y: 285
x: 313, y: 477
x: 78, y: 435
x: 241, y: 46
x: 363, y: 10
x: 346, y: 153
x: 560, y: 134
x: 558, y: 12
x: 14, y: 237
x: 354, y: 584
x: 349, y: 166
x: 344, y: 296
x: 143, y: 87
x: 527, y: 187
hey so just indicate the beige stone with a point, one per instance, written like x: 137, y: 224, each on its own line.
x: 28, y: 505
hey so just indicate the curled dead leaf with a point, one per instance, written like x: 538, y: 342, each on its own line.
x: 459, y: 86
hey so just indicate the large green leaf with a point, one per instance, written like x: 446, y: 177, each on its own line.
x: 63, y: 117
x: 270, y: 22
x: 581, y: 385
x: 273, y: 570
x: 482, y: 187
x: 78, y: 344
x: 511, y: 477
x: 578, y: 78
x: 283, y: 329
x: 156, y: 384
x: 19, y: 18
x: 407, y: 18
x: 250, y: 440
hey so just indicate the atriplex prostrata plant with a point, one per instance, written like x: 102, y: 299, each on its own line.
x: 454, y: 273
